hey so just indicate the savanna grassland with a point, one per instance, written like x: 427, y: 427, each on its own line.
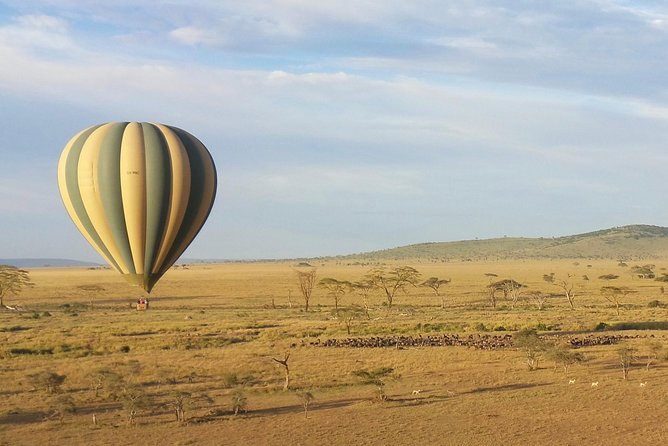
x: 215, y: 334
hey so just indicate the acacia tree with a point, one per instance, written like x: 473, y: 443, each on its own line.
x: 564, y: 356
x: 306, y: 398
x: 508, y: 287
x: 180, y: 401
x: 626, y: 355
x: 615, y: 294
x: 239, y: 401
x: 348, y: 315
x: 539, y: 298
x: 393, y: 279
x: 566, y: 285
x: 529, y: 341
x: 644, y: 271
x: 653, y: 350
x: 306, y: 280
x: 435, y: 283
x: 48, y: 381
x: 12, y: 281
x: 363, y: 288
x: 134, y: 399
x: 92, y: 290
x: 61, y: 405
x: 375, y: 377
x: 336, y: 289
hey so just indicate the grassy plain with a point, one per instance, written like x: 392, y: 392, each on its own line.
x: 214, y: 329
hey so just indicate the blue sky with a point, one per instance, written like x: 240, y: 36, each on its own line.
x: 346, y: 126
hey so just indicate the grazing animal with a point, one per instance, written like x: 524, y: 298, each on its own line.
x: 594, y: 384
x: 571, y: 381
x: 643, y: 384
x: 417, y: 392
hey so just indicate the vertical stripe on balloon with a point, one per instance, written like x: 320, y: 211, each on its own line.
x: 158, y: 193
x: 132, y: 163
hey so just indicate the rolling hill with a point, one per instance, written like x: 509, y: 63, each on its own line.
x: 46, y: 263
x: 634, y: 242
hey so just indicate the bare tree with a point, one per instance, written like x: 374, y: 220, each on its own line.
x: 567, y: 285
x: 12, y: 281
x: 306, y: 280
x: 336, y: 289
x: 284, y: 363
x: 435, y: 284
x: 393, y: 279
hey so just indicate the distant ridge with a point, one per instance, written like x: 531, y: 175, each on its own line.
x: 633, y: 242
x: 45, y: 263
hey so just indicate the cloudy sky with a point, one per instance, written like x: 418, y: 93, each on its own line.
x: 344, y: 126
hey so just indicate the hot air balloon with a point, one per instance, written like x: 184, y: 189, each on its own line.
x: 139, y: 193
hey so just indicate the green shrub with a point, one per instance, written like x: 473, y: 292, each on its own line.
x: 230, y: 379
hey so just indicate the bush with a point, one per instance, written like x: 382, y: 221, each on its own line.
x: 655, y: 304
x: 125, y: 349
x: 480, y: 327
x: 230, y: 379
x: 601, y: 326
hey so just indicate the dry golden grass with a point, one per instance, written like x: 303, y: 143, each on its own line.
x: 210, y: 325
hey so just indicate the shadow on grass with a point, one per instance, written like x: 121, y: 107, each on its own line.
x: 280, y: 410
x: 505, y: 388
x: 21, y: 417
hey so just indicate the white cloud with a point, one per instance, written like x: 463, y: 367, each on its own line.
x: 191, y: 35
x: 37, y: 32
x: 319, y: 184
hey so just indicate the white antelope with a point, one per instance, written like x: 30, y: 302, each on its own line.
x: 594, y: 384
x: 417, y: 392
x: 571, y: 381
x: 643, y: 384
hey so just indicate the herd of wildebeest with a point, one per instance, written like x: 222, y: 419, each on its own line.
x: 476, y: 341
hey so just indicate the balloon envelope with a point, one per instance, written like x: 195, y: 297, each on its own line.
x: 138, y: 192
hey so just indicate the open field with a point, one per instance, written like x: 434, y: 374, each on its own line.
x: 213, y: 330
